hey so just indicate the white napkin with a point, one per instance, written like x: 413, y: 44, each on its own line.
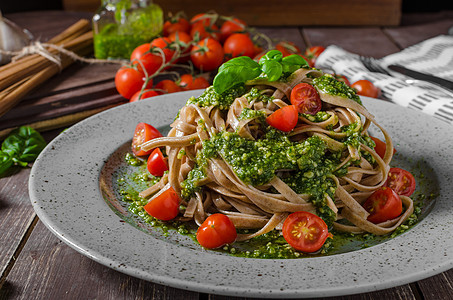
x: 433, y: 56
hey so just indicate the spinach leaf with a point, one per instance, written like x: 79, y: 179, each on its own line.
x: 235, y: 71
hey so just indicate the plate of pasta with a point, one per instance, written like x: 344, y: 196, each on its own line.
x: 305, y: 186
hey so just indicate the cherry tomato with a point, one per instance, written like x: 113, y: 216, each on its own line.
x: 342, y: 78
x: 157, y: 163
x: 305, y: 231
x: 287, y: 48
x: 383, y: 205
x: 312, y: 54
x: 216, y: 231
x: 143, y: 133
x: 306, y: 98
x: 167, y: 86
x: 143, y: 95
x: 142, y: 58
x: 176, y: 24
x: 380, y: 146
x: 184, y: 42
x: 207, y: 55
x: 165, y: 206
x: 231, y: 26
x: 200, y: 31
x: 284, y: 118
x: 164, y: 43
x: 401, y: 181
x: 206, y: 19
x: 366, y: 88
x: 189, y: 82
x: 239, y: 44
x: 129, y: 80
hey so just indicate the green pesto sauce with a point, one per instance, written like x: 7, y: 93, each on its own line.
x: 118, y: 40
x: 320, y: 116
x: 248, y: 113
x: 329, y: 85
x: 211, y: 98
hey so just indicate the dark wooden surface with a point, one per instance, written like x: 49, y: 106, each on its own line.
x: 34, y: 264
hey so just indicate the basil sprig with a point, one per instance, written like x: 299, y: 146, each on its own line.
x: 21, y: 147
x: 271, y: 66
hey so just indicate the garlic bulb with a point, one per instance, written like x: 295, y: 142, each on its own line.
x: 12, y: 38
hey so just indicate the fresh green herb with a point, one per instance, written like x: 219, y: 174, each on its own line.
x: 21, y: 147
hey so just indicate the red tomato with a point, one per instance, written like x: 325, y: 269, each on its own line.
x: 380, y: 146
x: 200, y: 31
x: 216, y: 231
x: 287, y: 48
x: 157, y: 163
x: 306, y: 98
x: 167, y: 86
x: 176, y: 24
x: 163, y: 43
x: 401, y: 181
x: 129, y: 80
x: 239, y: 44
x: 383, y: 205
x: 184, y: 42
x: 189, y: 82
x: 231, y: 26
x: 143, y: 95
x: 284, y: 119
x: 342, y: 78
x: 143, y: 133
x: 144, y: 59
x: 305, y: 231
x: 206, y: 19
x: 207, y: 55
x: 312, y: 54
x: 165, y: 206
x: 366, y: 88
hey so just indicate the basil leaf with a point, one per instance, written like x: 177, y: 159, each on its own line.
x: 293, y: 62
x: 6, y: 162
x: 235, y: 71
x: 274, y: 55
x: 23, y: 145
x: 273, y: 69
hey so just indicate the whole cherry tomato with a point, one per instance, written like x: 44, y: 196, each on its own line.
x: 204, y: 18
x: 305, y: 231
x: 189, y: 82
x: 184, y: 42
x: 165, y: 206
x: 143, y: 133
x: 239, y: 44
x: 383, y: 205
x: 176, y: 24
x: 200, y: 31
x: 207, y: 55
x: 305, y: 97
x: 312, y: 54
x: 167, y: 86
x: 143, y: 95
x: 233, y: 25
x: 129, y: 80
x: 216, y: 231
x: 284, y: 118
x: 401, y: 181
x: 366, y: 88
x: 143, y: 58
x: 157, y: 163
x: 287, y: 48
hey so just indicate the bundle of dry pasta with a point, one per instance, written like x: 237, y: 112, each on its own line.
x: 40, y: 61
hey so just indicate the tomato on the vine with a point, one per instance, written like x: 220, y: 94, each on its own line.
x: 129, y: 80
x: 184, y: 42
x: 176, y: 24
x: 207, y: 55
x: 157, y: 163
x: 165, y: 206
x: 312, y: 54
x: 305, y: 231
x: 200, y: 31
x: 383, y: 205
x: 239, y: 44
x: 204, y: 18
x: 284, y: 118
x: 189, y: 82
x: 148, y: 93
x: 143, y: 58
x: 167, y: 86
x: 216, y: 231
x: 366, y: 88
x: 164, y: 43
x: 143, y: 133
x: 401, y: 181
x: 305, y: 97
x: 231, y: 26
x: 287, y: 48
x: 380, y: 146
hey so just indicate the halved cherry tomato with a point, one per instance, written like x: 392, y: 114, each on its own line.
x: 167, y: 86
x: 143, y: 133
x: 143, y: 95
x: 157, y: 163
x: 380, y: 146
x: 176, y: 24
x: 231, y: 26
x: 239, y: 44
x: 312, y: 54
x: 165, y: 206
x: 216, y: 231
x: 305, y: 97
x: 366, y: 88
x: 189, y: 82
x: 284, y: 118
x: 207, y: 55
x: 305, y: 231
x: 129, y: 80
x: 401, y: 181
x: 383, y: 205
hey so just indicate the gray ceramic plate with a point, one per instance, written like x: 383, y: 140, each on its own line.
x: 66, y: 193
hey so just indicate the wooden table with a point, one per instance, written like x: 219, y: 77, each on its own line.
x: 35, y: 264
